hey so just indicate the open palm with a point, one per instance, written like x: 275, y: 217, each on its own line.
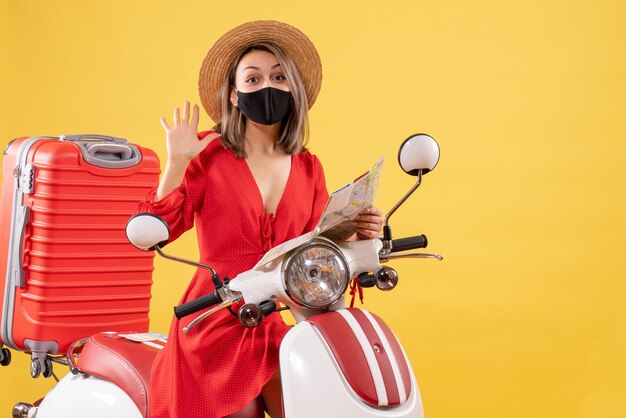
x: 182, y: 139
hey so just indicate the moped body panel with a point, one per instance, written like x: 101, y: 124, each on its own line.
x: 89, y: 396
x: 314, y: 384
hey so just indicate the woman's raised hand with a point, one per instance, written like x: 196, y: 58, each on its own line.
x: 182, y: 139
x: 182, y: 146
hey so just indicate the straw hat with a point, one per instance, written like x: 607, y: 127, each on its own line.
x: 220, y: 57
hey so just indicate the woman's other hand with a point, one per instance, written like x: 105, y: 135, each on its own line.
x: 369, y: 223
x: 182, y: 139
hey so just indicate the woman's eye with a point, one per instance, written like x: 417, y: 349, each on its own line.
x: 251, y: 80
x: 280, y: 77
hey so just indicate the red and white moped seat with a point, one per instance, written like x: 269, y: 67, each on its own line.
x: 123, y: 362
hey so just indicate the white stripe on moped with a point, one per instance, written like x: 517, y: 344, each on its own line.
x: 392, y: 358
x: 370, y: 356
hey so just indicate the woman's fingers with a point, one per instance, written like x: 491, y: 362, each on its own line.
x: 176, y: 117
x: 186, y: 113
x: 374, y: 211
x: 371, y: 226
x: 195, y: 117
x: 371, y: 230
x: 185, y: 119
x: 182, y: 136
x: 369, y: 223
x: 371, y: 215
x: 369, y: 218
x: 366, y: 234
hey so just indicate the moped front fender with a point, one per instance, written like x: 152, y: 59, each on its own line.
x: 314, y: 384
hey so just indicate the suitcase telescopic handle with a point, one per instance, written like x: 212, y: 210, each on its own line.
x: 105, y: 151
x: 120, y: 151
x: 86, y: 137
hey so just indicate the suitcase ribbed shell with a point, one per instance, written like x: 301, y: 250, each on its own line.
x: 81, y: 276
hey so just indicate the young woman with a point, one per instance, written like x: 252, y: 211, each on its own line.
x: 247, y: 185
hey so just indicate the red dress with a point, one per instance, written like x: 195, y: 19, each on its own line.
x: 220, y: 366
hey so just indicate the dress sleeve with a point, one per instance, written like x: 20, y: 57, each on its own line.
x: 320, y: 194
x: 177, y: 208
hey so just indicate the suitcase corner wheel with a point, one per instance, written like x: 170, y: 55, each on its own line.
x: 5, y: 357
x: 41, y: 361
x: 40, y: 364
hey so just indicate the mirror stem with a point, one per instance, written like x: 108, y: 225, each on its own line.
x: 182, y: 260
x: 386, y: 229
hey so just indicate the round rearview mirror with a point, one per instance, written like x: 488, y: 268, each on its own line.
x: 145, y: 231
x: 418, y: 152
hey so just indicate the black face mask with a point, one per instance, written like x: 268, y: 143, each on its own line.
x: 266, y: 106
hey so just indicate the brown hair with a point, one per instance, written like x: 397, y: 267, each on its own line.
x: 294, y: 130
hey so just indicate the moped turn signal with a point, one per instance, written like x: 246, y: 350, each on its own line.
x: 386, y: 278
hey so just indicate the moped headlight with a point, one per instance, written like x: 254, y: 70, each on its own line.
x: 316, y: 274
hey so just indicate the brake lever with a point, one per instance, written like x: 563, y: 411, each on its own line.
x: 226, y: 303
x: 388, y: 257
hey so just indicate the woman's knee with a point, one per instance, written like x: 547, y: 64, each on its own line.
x: 255, y: 409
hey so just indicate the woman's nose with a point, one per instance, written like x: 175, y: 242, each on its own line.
x: 276, y: 84
x: 268, y: 82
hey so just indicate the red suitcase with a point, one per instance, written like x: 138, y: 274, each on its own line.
x: 70, y: 272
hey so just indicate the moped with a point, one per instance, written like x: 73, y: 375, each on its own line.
x: 335, y: 362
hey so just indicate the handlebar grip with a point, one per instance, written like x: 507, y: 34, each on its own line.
x: 197, y: 304
x: 410, y: 243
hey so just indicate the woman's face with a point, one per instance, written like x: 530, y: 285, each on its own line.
x: 258, y: 70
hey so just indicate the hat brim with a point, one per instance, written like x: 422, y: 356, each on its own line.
x: 227, y: 48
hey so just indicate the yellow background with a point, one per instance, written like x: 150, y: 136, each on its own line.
x: 527, y: 100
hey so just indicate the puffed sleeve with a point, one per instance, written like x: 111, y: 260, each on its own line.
x: 320, y: 194
x: 178, y: 208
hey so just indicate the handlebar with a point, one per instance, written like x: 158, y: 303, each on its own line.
x: 214, y: 298
x: 195, y: 305
x: 410, y: 243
